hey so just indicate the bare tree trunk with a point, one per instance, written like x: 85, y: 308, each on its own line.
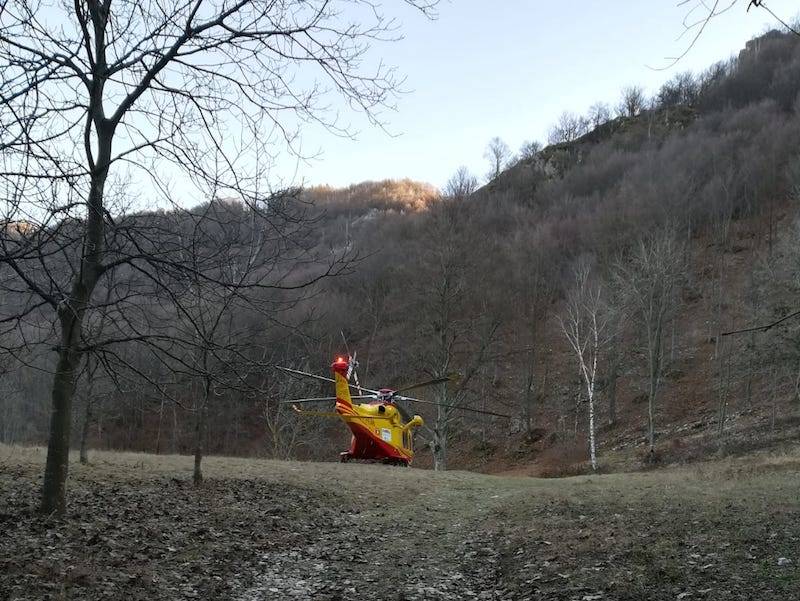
x: 719, y: 346
x: 748, y: 390
x: 673, y: 341
x: 612, y: 389
x: 527, y: 403
x: 158, y: 431
x: 276, y: 444
x: 100, y: 430
x: 773, y: 397
x: 592, y: 438
x: 771, y: 220
x: 54, y: 491
x: 199, y: 427
x: 797, y: 383
x: 718, y: 352
x: 71, y: 313
x: 439, y: 440
x: 87, y: 422
x: 91, y: 369
x: 655, y: 375
x: 578, y: 395
x: 237, y: 430
x: 200, y: 433
x: 751, y: 358
x: 723, y: 394
x: 439, y: 449
x: 174, y: 430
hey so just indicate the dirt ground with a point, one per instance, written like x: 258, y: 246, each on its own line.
x: 137, y: 529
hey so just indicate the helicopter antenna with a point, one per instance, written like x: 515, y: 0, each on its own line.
x: 353, y: 364
x: 355, y: 373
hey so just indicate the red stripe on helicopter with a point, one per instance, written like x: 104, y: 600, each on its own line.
x: 367, y: 445
x: 345, y: 408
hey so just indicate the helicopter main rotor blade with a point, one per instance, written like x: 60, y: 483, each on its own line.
x: 461, y: 407
x: 325, y: 398
x: 313, y: 400
x: 297, y: 372
x: 404, y: 412
x: 423, y: 384
x: 306, y: 374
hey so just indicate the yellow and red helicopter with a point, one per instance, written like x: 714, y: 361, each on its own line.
x: 383, y: 429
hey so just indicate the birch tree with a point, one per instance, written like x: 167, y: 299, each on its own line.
x: 583, y: 326
x: 499, y: 155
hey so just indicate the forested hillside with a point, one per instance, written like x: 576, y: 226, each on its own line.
x: 636, y: 240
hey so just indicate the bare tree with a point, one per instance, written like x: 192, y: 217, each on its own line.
x: 721, y: 226
x: 599, y: 113
x: 90, y: 399
x: 529, y: 149
x: 211, y: 310
x: 94, y: 328
x: 534, y: 300
x: 614, y: 351
x: 461, y: 184
x: 647, y: 279
x: 568, y: 128
x: 498, y: 154
x: 584, y: 327
x: 287, y: 431
x: 683, y: 89
x: 632, y: 102
x: 455, y: 334
x: 451, y: 399
x: 96, y: 93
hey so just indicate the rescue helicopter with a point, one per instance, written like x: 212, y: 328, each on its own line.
x: 382, y: 427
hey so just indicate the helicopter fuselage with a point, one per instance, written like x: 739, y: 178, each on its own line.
x: 379, y: 433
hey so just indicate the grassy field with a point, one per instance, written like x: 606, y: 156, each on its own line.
x: 137, y: 529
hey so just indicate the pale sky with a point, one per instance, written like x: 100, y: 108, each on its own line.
x: 509, y: 68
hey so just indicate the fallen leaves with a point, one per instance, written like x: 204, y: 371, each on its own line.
x: 364, y: 532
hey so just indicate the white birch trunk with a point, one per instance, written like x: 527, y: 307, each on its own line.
x: 592, y: 437
x: 584, y: 338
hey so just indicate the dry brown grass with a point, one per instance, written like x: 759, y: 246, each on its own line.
x: 136, y: 529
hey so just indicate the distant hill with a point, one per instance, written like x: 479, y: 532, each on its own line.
x: 403, y: 195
